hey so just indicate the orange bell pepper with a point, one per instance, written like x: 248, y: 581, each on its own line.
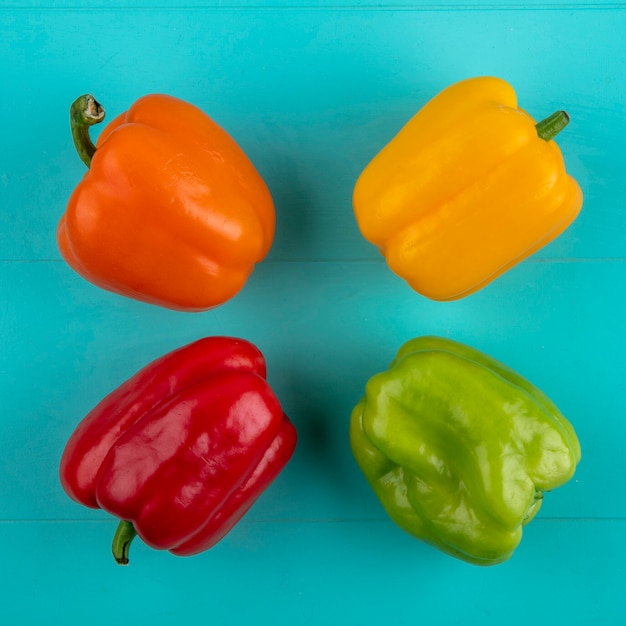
x: 468, y: 188
x: 171, y: 211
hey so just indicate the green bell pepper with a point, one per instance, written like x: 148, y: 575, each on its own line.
x: 459, y: 448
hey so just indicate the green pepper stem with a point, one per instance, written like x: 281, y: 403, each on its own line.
x: 553, y: 124
x: 122, y: 539
x: 85, y: 112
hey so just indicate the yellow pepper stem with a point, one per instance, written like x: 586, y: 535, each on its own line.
x: 550, y: 127
x: 85, y: 112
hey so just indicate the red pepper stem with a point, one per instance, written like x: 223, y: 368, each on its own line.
x: 122, y: 539
x: 85, y: 112
x: 553, y: 124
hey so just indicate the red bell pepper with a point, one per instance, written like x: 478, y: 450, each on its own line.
x: 182, y: 449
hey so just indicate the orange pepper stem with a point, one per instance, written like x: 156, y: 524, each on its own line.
x: 553, y: 124
x: 122, y: 539
x: 85, y: 112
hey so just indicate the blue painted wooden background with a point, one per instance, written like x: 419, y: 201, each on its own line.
x: 311, y: 91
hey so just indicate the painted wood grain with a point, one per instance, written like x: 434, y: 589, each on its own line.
x: 325, y: 329
x: 311, y: 91
x: 311, y: 96
x: 339, y: 574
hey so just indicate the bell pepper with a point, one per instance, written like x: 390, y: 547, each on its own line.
x: 468, y: 188
x: 171, y: 211
x: 182, y: 449
x: 459, y: 448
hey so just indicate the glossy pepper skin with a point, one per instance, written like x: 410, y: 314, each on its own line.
x: 466, y: 190
x: 171, y: 211
x: 182, y: 449
x: 459, y: 448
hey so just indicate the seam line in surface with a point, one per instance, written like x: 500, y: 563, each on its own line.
x: 340, y: 261
x: 418, y: 8
x: 329, y: 520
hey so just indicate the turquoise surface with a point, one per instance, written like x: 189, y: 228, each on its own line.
x: 311, y: 91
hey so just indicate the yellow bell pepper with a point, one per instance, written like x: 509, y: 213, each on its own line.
x: 468, y: 188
